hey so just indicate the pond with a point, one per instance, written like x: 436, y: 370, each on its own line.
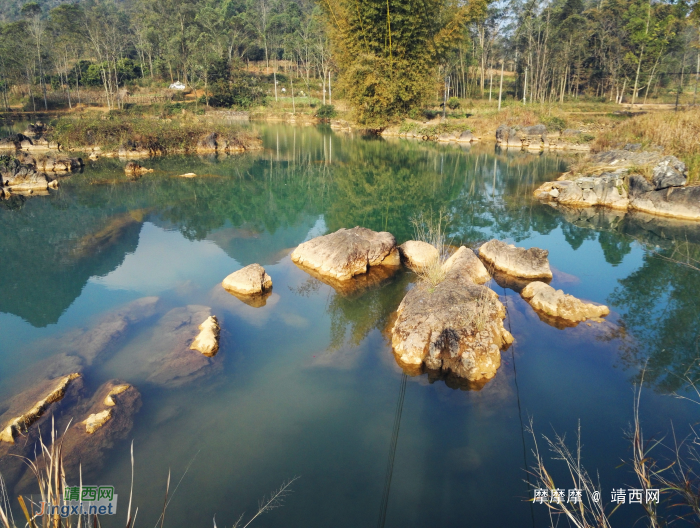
x: 307, y: 385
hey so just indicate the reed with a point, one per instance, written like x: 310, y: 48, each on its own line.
x: 432, y: 230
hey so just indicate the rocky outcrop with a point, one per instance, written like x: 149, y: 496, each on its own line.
x: 207, y: 341
x: 608, y: 189
x: 538, y: 137
x: 215, y: 143
x: 33, y: 139
x: 520, y: 262
x: 417, y: 254
x: 347, y: 252
x: 134, y: 170
x: 555, y: 303
x: 251, y: 280
x: 663, y: 192
x: 22, y: 173
x: 26, y: 418
x: 455, y: 327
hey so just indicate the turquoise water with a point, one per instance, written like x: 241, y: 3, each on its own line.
x: 307, y: 385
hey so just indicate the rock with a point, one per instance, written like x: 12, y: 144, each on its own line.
x: 251, y: 280
x: 534, y: 137
x: 466, y: 137
x: 20, y: 174
x: 95, y: 421
x: 457, y: 327
x: 669, y: 172
x: 347, y: 252
x: 526, y: 263
x: 507, y: 136
x: 608, y: 190
x: 171, y: 361
x: 676, y: 202
x: 27, y: 418
x: 418, y: 254
x: 134, y: 170
x: 556, y: 303
x: 208, y: 143
x: 188, y: 175
x: 94, y: 343
x: 466, y: 261
x: 116, y: 391
x: 207, y: 341
x: 445, y: 137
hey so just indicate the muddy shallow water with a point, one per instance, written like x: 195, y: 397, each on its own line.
x: 307, y: 384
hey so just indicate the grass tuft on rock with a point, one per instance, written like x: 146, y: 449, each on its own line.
x: 432, y: 230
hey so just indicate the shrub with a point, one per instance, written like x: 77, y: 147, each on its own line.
x: 242, y: 92
x: 326, y: 112
x: 453, y: 103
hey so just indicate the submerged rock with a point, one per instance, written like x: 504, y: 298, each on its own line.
x: 525, y: 263
x: 30, y: 415
x: 417, y: 254
x: 170, y: 360
x: 456, y: 327
x: 207, y: 341
x: 556, y: 303
x: 347, y: 252
x: 251, y: 280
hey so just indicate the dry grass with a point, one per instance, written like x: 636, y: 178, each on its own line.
x: 677, y: 133
x: 432, y: 231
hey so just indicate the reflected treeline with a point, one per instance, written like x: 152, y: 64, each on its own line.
x: 258, y: 204
x: 658, y: 303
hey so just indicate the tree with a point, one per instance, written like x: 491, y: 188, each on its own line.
x: 388, y: 51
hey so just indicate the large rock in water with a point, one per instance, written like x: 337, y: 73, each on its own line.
x: 456, y: 328
x: 465, y: 259
x: 347, y: 252
x: 418, y: 254
x: 556, y: 303
x: 526, y: 263
x: 251, y: 280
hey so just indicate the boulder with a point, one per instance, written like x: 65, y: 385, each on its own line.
x: 417, y: 254
x: 676, y: 202
x: 188, y: 175
x: 20, y: 174
x: 455, y: 327
x: 556, y: 303
x: 208, y: 143
x: 466, y: 137
x: 533, y: 137
x: 465, y: 261
x: 134, y: 170
x: 669, y: 172
x: 347, y: 252
x: 26, y: 418
x: 207, y: 341
x: 525, y: 263
x: 507, y: 136
x: 251, y: 280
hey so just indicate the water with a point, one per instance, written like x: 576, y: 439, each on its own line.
x: 307, y: 385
